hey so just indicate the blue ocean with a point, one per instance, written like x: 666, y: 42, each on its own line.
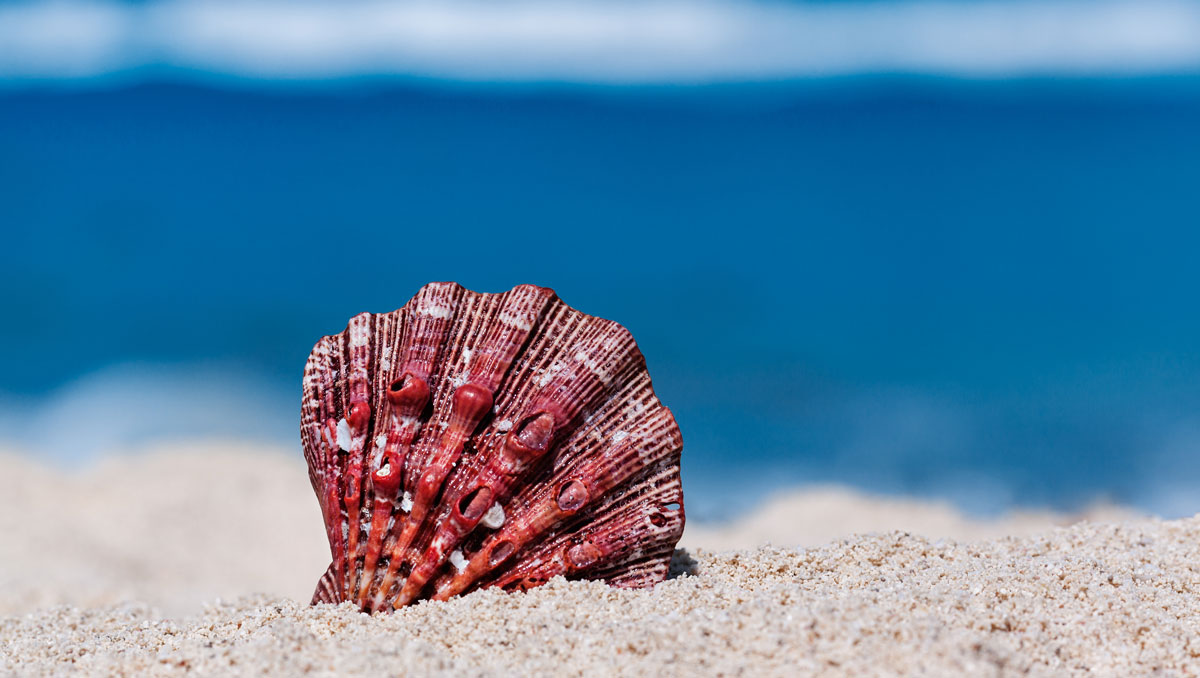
x: 913, y: 281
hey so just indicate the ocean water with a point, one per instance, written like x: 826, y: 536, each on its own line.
x: 983, y: 291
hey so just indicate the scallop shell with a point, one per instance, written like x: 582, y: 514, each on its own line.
x: 471, y: 440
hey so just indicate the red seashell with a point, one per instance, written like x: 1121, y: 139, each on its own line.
x: 470, y: 440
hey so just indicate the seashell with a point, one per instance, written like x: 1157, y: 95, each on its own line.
x: 472, y: 440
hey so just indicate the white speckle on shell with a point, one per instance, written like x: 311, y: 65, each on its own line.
x: 504, y: 425
x: 343, y: 434
x: 458, y: 380
x: 514, y: 320
x: 435, y: 311
x: 619, y: 436
x: 466, y: 355
x: 458, y: 560
x: 547, y: 375
x: 594, y: 367
x: 380, y: 440
x: 359, y: 334
x: 406, y: 502
x: 494, y: 517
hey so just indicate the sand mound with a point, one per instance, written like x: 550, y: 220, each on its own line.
x: 818, y: 515
x: 174, y: 527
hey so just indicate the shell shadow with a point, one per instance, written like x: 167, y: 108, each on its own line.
x: 682, y: 564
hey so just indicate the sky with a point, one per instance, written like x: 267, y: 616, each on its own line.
x: 934, y: 249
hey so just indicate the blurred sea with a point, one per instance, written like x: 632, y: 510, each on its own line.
x: 979, y: 291
x: 945, y: 249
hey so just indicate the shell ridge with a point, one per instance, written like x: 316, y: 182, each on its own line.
x: 353, y: 429
x: 388, y: 331
x: 606, y: 531
x: 449, y: 313
x: 492, y: 357
x: 437, y: 306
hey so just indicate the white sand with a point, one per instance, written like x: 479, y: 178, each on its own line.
x: 180, y: 527
x: 173, y: 527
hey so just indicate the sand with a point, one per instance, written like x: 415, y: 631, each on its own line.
x: 119, y: 569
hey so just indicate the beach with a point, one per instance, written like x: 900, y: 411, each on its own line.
x: 201, y: 557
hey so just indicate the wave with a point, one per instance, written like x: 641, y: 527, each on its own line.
x: 592, y: 42
x: 126, y: 406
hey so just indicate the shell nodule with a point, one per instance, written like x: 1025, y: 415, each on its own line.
x: 470, y: 440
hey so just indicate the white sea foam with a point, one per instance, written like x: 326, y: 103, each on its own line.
x: 594, y: 41
x: 126, y: 406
